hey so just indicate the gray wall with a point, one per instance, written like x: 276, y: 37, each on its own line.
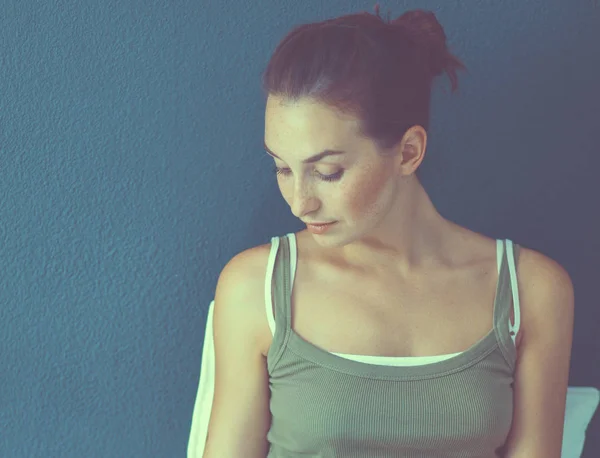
x: 132, y: 170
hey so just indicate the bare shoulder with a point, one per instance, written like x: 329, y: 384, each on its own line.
x: 251, y: 266
x: 251, y: 258
x: 539, y: 270
x: 539, y: 277
x: 246, y: 272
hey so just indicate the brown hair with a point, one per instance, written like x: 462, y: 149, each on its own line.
x: 380, y: 72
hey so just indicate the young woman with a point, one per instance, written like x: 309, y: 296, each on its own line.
x: 383, y: 329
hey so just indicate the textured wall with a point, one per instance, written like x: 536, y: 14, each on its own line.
x: 132, y: 170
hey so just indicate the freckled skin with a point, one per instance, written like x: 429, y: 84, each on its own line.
x: 371, y: 195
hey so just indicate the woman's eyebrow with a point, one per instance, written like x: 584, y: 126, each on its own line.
x: 316, y: 158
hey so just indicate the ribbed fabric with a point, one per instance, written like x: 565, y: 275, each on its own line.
x: 330, y: 405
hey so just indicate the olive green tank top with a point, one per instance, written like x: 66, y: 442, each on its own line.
x: 328, y: 405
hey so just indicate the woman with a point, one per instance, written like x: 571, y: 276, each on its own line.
x: 383, y: 329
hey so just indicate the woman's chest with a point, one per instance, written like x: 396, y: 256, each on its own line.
x: 387, y: 317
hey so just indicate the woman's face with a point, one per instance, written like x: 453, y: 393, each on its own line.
x: 356, y: 188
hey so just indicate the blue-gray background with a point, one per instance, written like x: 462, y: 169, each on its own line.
x: 132, y: 170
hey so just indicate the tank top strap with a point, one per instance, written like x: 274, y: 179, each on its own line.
x: 281, y: 287
x: 507, y: 301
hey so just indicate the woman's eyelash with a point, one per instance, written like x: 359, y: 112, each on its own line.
x: 334, y: 177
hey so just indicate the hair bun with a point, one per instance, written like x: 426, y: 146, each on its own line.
x: 425, y: 30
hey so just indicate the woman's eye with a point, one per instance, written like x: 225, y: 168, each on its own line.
x: 334, y: 177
